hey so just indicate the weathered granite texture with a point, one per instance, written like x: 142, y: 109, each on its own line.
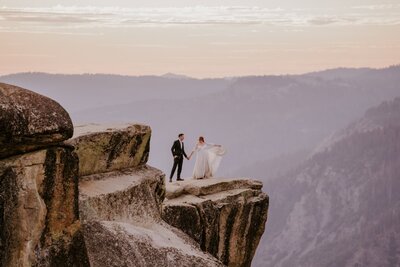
x: 39, y: 216
x: 130, y: 195
x: 122, y: 225
x: 103, y: 206
x: 29, y: 121
x: 225, y: 216
x: 120, y: 204
x: 104, y: 148
x: 115, y: 244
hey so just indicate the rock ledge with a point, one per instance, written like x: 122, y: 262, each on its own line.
x: 225, y: 216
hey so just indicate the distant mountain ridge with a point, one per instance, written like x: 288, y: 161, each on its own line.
x: 268, y: 124
x: 277, y: 114
x: 376, y: 118
x: 84, y: 91
x: 341, y: 207
x: 170, y: 75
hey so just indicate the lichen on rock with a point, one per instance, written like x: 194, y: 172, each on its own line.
x: 105, y: 148
x: 39, y: 216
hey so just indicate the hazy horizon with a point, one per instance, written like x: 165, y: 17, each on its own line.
x: 184, y: 75
x: 325, y: 146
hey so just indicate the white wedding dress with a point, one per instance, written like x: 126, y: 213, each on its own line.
x: 208, y: 158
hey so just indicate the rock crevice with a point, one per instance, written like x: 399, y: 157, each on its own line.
x: 39, y: 209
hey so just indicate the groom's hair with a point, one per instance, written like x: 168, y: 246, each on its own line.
x: 180, y: 134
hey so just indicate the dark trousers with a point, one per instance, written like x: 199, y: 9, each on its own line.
x: 178, y: 161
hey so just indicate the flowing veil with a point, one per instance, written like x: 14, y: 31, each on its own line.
x: 215, y: 154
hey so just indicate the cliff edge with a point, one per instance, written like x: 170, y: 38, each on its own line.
x: 39, y: 209
x: 120, y: 202
x: 225, y: 216
x: 93, y: 201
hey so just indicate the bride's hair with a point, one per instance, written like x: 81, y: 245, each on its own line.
x: 201, y: 139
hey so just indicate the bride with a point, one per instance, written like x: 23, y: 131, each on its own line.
x: 208, y: 158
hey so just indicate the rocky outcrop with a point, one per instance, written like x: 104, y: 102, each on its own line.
x: 93, y: 201
x: 29, y: 121
x: 130, y: 195
x: 105, y: 148
x: 225, y: 216
x: 121, y: 210
x: 117, y: 244
x: 39, y: 217
x: 39, y: 213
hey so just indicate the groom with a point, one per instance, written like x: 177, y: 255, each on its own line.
x: 178, y: 151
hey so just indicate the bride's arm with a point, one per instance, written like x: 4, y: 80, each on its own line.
x: 194, y: 150
x: 210, y: 144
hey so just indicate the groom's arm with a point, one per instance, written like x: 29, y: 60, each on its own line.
x: 173, y: 149
x: 184, y: 153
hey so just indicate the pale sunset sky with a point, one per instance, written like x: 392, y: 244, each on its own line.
x: 197, y: 38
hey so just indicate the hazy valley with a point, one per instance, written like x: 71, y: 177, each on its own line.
x: 276, y: 129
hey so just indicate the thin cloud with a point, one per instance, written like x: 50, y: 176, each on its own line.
x: 378, y: 7
x: 74, y: 17
x: 323, y: 20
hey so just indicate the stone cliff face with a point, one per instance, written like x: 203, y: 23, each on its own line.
x: 29, y: 121
x: 93, y: 200
x: 39, y: 216
x: 128, y: 195
x: 123, y: 207
x: 225, y: 216
x: 106, y: 148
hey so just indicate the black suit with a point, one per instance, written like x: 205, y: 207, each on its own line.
x: 178, y: 152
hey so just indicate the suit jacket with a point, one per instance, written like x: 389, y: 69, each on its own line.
x: 177, y: 150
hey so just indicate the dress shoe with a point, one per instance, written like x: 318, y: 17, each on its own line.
x: 180, y: 179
